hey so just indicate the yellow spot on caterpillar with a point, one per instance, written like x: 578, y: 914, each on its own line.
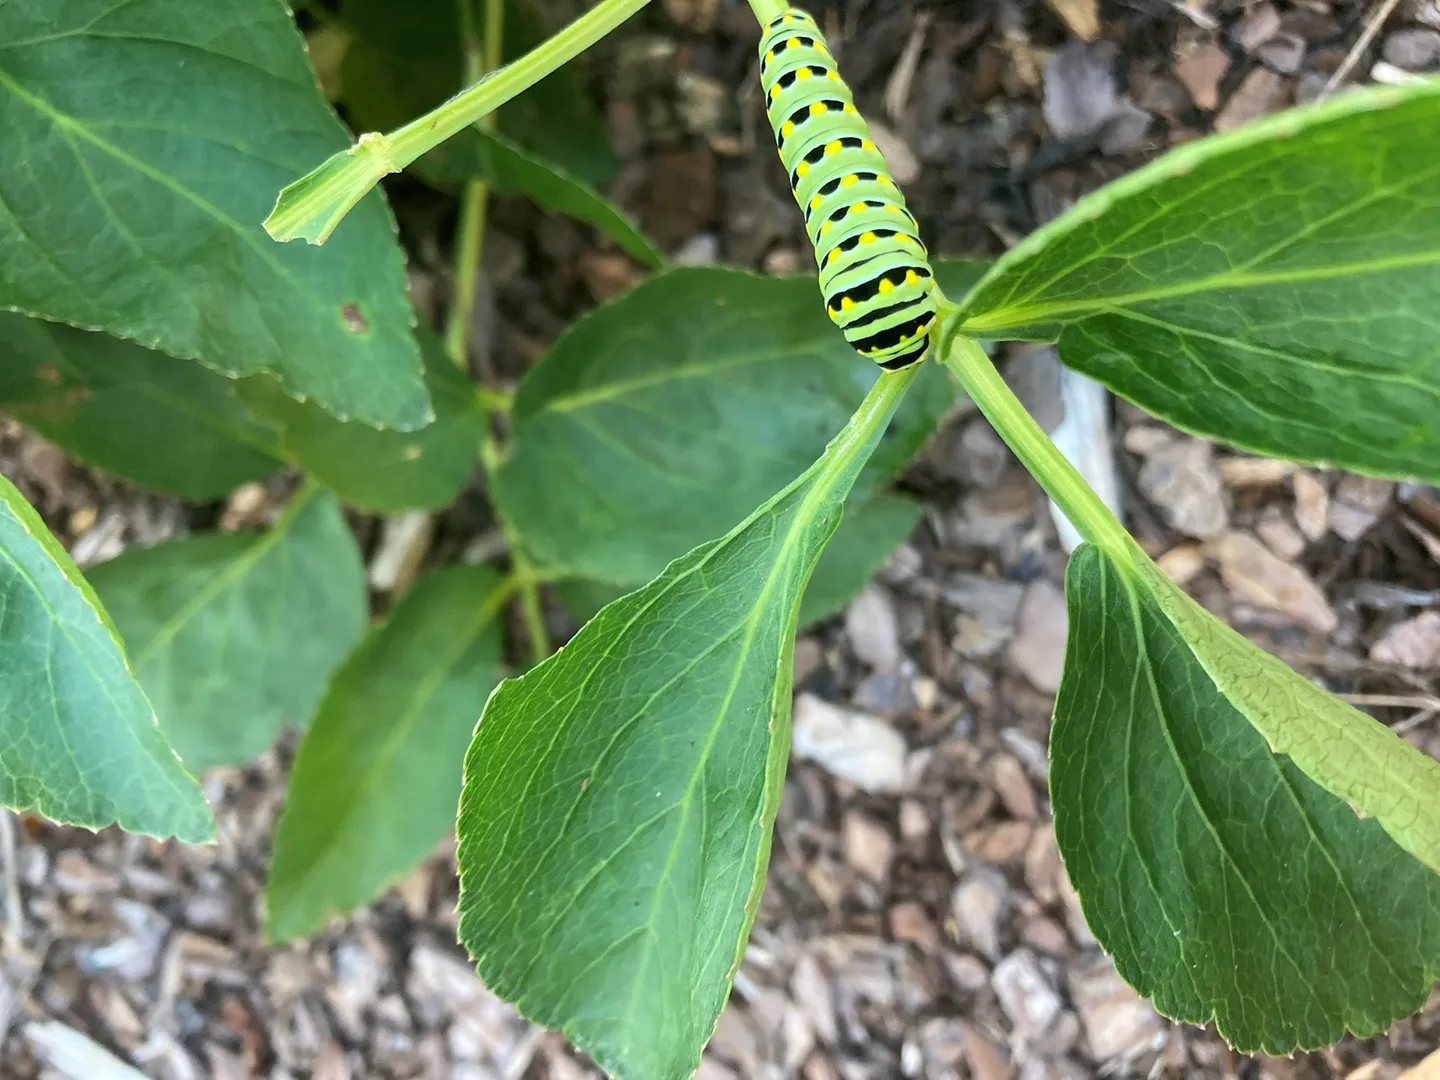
x: 850, y: 181
x: 826, y: 227
x: 803, y: 73
x: 868, y: 238
x: 818, y: 109
x: 833, y: 75
x: 815, y: 202
x: 857, y: 208
x: 774, y: 91
x: 884, y: 180
x: 769, y: 56
x: 834, y: 314
x: 846, y: 304
x: 912, y: 278
x: 787, y: 129
x: 892, y: 208
x: 886, y: 285
x: 852, y: 110
x: 833, y: 148
x: 802, y: 169
x: 835, y: 254
x: 866, y: 144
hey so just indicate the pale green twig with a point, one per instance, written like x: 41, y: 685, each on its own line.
x: 314, y: 205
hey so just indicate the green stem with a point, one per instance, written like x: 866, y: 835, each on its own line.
x: 312, y: 206
x: 968, y: 362
x: 479, y: 58
x: 767, y: 11
x: 530, y: 607
x: 468, y: 249
x: 492, y: 399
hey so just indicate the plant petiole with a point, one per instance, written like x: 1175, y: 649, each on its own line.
x: 967, y: 361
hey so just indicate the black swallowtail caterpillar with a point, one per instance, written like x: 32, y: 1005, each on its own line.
x: 874, y: 271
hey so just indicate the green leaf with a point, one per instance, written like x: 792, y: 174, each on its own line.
x: 868, y: 534
x: 704, y: 388
x: 1225, y: 883
x: 134, y: 205
x: 615, y: 821
x: 377, y: 778
x: 165, y: 423
x: 384, y: 471
x: 511, y: 170
x: 406, y: 59
x: 1277, y: 287
x: 78, y: 741
x: 234, y: 635
x: 1348, y: 753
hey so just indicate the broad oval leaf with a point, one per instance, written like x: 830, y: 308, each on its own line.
x: 164, y: 423
x: 1225, y: 883
x: 704, y: 387
x: 1277, y: 287
x: 383, y: 471
x: 164, y: 182
x: 615, y: 821
x: 376, y: 780
x: 78, y: 740
x: 234, y: 635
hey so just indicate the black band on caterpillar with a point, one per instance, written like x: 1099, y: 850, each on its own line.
x: 874, y: 271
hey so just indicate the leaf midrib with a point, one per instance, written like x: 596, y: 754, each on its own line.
x: 1022, y: 315
x: 66, y: 123
x: 228, y: 577
x: 822, y: 480
x: 620, y: 388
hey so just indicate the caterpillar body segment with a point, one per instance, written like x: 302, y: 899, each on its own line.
x: 874, y: 270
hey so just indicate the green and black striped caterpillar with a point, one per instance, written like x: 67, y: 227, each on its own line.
x: 874, y: 271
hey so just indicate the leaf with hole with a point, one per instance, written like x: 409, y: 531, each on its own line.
x: 164, y: 423
x: 615, y: 821
x: 1277, y: 287
x: 234, y: 635
x: 1225, y: 882
x: 164, y: 182
x: 78, y: 740
x: 376, y: 780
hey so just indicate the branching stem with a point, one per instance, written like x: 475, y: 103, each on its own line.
x: 483, y: 54
x: 314, y: 205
